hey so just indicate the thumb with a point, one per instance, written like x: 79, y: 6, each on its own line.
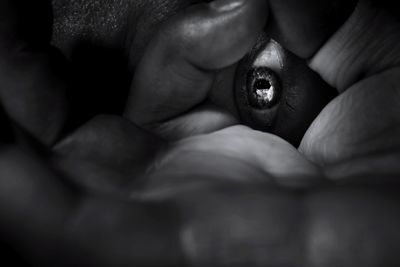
x: 304, y: 26
x: 178, y: 69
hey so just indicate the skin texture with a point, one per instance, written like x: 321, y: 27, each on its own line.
x: 114, y: 193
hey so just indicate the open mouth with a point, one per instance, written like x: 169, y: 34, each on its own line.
x: 264, y: 88
x: 276, y: 92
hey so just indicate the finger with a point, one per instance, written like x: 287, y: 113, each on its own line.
x: 177, y: 71
x: 203, y: 119
x: 365, y: 45
x: 32, y: 77
x: 237, y: 154
x: 304, y: 26
x: 378, y: 164
x: 108, y: 154
x: 363, y: 57
x: 360, y: 122
x: 343, y: 40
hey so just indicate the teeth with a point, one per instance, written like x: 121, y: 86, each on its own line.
x: 265, y: 96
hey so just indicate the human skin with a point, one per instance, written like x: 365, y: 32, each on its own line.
x: 231, y: 197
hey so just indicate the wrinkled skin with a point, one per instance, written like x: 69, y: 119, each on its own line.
x: 118, y: 191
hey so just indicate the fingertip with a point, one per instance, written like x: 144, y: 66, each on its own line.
x: 304, y: 26
x: 178, y: 69
x: 223, y: 32
x: 215, y: 35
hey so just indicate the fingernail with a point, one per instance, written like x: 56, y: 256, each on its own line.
x: 226, y: 5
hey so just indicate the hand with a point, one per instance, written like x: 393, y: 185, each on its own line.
x: 177, y: 80
x: 195, y: 204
